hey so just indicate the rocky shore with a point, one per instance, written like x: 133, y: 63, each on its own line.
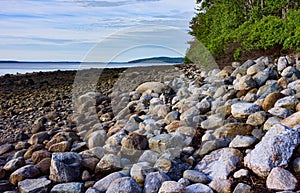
x: 158, y: 129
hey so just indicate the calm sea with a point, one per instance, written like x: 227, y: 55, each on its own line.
x: 28, y: 67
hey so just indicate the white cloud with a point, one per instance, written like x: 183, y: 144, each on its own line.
x: 62, y: 23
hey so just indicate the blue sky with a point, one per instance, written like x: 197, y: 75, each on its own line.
x: 93, y: 30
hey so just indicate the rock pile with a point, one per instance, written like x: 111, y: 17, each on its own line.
x: 231, y: 130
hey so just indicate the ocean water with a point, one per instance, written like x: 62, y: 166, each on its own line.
x: 29, y: 67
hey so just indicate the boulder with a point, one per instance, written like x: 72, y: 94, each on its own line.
x: 275, y: 149
x: 40, y: 185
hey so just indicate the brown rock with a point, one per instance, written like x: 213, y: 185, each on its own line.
x: 32, y: 149
x: 60, y: 147
x: 298, y: 107
x: 292, y: 120
x: 270, y: 100
x: 173, y: 126
x: 59, y: 137
x: 22, y: 145
x: 14, y: 164
x: 90, y: 163
x: 231, y: 130
x: 26, y: 172
x: 44, y: 165
x: 37, y: 156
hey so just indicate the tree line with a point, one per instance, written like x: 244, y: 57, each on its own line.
x: 237, y: 26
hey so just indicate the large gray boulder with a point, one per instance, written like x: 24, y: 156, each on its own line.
x: 275, y: 149
x: 219, y: 163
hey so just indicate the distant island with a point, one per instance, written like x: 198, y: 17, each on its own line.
x: 178, y: 60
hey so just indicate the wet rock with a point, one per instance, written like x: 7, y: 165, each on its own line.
x: 65, y: 167
x: 153, y: 181
x: 71, y: 187
x: 281, y: 179
x: 25, y: 172
x: 196, y: 176
x: 125, y: 184
x: 171, y: 186
x: 243, y: 109
x: 198, y: 187
x: 14, y: 164
x: 34, y: 185
x: 219, y: 163
x: 103, y: 184
x: 275, y: 149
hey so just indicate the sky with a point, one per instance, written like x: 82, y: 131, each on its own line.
x: 93, y: 30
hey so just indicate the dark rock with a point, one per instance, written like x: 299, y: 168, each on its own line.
x: 25, y: 172
x: 40, y: 185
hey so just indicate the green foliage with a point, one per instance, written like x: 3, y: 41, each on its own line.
x: 252, y: 24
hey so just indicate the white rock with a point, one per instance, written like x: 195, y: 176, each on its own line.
x: 281, y: 179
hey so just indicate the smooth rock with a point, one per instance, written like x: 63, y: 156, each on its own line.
x: 242, y: 141
x: 40, y: 185
x: 103, y: 184
x: 196, y: 176
x: 281, y: 179
x: 257, y: 118
x: 156, y: 87
x: 44, y: 165
x: 97, y: 138
x: 243, y: 109
x: 292, y: 120
x: 6, y: 148
x: 125, y: 185
x: 14, y: 164
x: 244, y: 83
x: 60, y: 147
x: 171, y: 187
x: 271, y: 122
x: 280, y: 112
x: 288, y: 102
x: 219, y: 163
x: 71, y: 187
x: 221, y: 185
x: 109, y: 163
x: 242, y: 188
x: 241, y: 173
x: 213, y: 122
x: 65, y: 167
x: 275, y: 149
x: 38, y: 138
x: 231, y: 130
x: 25, y: 172
x: 37, y: 156
x: 271, y: 99
x: 198, y: 188
x: 153, y: 181
x: 139, y: 171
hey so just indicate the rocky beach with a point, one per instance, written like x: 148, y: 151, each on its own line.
x: 154, y: 129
